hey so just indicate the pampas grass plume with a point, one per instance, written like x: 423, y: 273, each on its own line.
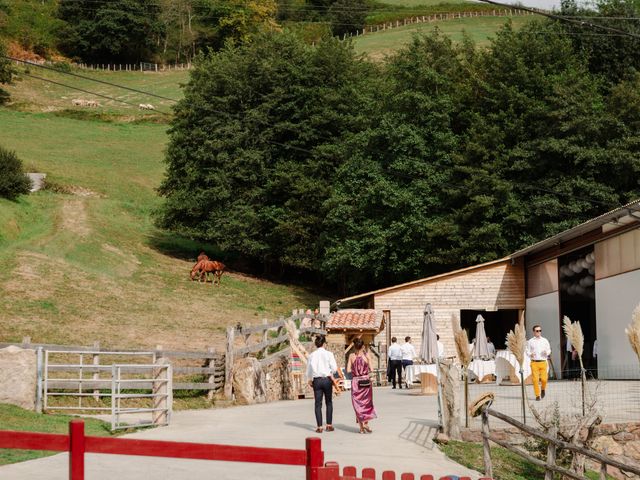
x: 517, y: 341
x: 633, y: 331
x: 573, y: 331
x: 461, y: 341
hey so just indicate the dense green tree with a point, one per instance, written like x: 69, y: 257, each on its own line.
x: 13, y: 180
x: 114, y: 31
x: 608, y: 53
x: 388, y: 214
x: 31, y: 23
x: 5, y: 73
x: 255, y: 144
x: 348, y: 16
x: 537, y: 157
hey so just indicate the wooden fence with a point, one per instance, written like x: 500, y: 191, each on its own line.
x: 211, y: 363
x: 77, y: 444
x: 510, y: 12
x: 553, y: 444
x: 268, y: 342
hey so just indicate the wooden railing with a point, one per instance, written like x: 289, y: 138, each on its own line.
x: 210, y: 363
x: 77, y: 444
x: 268, y: 342
x: 553, y: 443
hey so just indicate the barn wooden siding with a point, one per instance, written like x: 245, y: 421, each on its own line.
x: 493, y: 287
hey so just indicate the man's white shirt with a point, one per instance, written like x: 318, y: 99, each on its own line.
x: 440, y: 349
x: 408, y: 352
x: 395, y: 352
x: 321, y: 363
x: 538, y: 348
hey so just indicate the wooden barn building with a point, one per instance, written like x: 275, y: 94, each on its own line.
x: 590, y: 273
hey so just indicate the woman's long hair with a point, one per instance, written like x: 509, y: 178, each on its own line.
x: 358, y: 344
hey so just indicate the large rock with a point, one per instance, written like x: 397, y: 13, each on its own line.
x: 249, y: 383
x: 18, y: 376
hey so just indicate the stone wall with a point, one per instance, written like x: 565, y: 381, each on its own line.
x: 620, y: 441
x: 255, y: 383
x: 278, y: 380
x: 18, y: 376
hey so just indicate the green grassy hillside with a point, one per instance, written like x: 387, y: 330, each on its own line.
x: 480, y: 29
x: 84, y: 262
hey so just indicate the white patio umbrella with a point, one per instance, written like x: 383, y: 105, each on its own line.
x: 481, y: 347
x: 429, y: 346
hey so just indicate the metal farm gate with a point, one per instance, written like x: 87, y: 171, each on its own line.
x: 116, y: 387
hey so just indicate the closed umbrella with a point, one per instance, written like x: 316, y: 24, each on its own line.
x: 429, y: 346
x: 481, y: 347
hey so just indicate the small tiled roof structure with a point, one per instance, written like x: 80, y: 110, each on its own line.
x: 355, y: 319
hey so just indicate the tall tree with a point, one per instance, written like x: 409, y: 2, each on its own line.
x: 388, y: 211
x: 256, y: 142
x: 114, y: 31
x: 5, y: 73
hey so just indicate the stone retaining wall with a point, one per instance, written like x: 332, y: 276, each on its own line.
x: 18, y: 375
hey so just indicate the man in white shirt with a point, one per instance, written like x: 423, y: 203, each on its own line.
x: 538, y: 350
x: 491, y: 347
x: 408, y: 354
x: 321, y: 365
x: 440, y: 347
x: 395, y: 362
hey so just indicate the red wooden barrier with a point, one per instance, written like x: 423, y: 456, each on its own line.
x: 77, y: 444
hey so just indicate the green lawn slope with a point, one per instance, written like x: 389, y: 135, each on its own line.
x: 83, y: 261
x: 480, y: 29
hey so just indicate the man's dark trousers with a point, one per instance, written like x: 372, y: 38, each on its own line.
x: 322, y: 386
x: 396, y: 371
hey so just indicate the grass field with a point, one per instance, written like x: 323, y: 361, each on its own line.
x: 34, y: 95
x: 89, y: 265
x: 480, y: 29
x: 421, y: 3
x: 15, y: 418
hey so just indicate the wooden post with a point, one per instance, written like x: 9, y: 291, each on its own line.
x: 265, y: 338
x: 228, y: 364
x: 486, y: 448
x: 603, y: 468
x: 315, y: 458
x: 211, y: 363
x: 163, y: 389
x: 524, y: 412
x: 466, y: 397
x: 96, y: 374
x: 76, y: 450
x: 551, y: 454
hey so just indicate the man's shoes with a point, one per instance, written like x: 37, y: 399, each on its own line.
x: 393, y: 388
x: 538, y: 399
x: 330, y: 428
x: 542, y: 394
x: 319, y: 430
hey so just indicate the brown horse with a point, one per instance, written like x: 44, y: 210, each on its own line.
x: 195, y: 271
x: 215, y: 267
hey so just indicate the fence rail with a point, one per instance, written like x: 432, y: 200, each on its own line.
x: 553, y: 443
x: 77, y: 444
x: 369, y: 29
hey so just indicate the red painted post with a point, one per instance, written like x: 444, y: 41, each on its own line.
x: 426, y: 477
x: 369, y: 473
x: 407, y: 476
x: 349, y: 472
x: 388, y: 475
x: 330, y: 471
x: 76, y: 450
x: 315, y: 458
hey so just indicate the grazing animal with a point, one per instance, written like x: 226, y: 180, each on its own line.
x: 79, y: 102
x: 211, y: 266
x: 202, y: 256
x: 146, y: 106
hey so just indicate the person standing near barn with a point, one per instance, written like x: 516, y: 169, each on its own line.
x: 538, y: 350
x: 359, y: 365
x: 395, y: 362
x: 408, y: 354
x: 321, y: 365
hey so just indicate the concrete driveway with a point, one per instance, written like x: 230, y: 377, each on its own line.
x: 401, y: 441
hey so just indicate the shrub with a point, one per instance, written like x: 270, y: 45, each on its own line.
x: 13, y: 180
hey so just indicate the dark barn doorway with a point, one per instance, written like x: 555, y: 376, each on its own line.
x: 496, y: 324
x: 577, y: 301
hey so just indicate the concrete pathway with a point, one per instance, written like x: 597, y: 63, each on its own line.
x: 401, y: 441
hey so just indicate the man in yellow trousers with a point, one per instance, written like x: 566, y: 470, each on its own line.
x: 538, y: 350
